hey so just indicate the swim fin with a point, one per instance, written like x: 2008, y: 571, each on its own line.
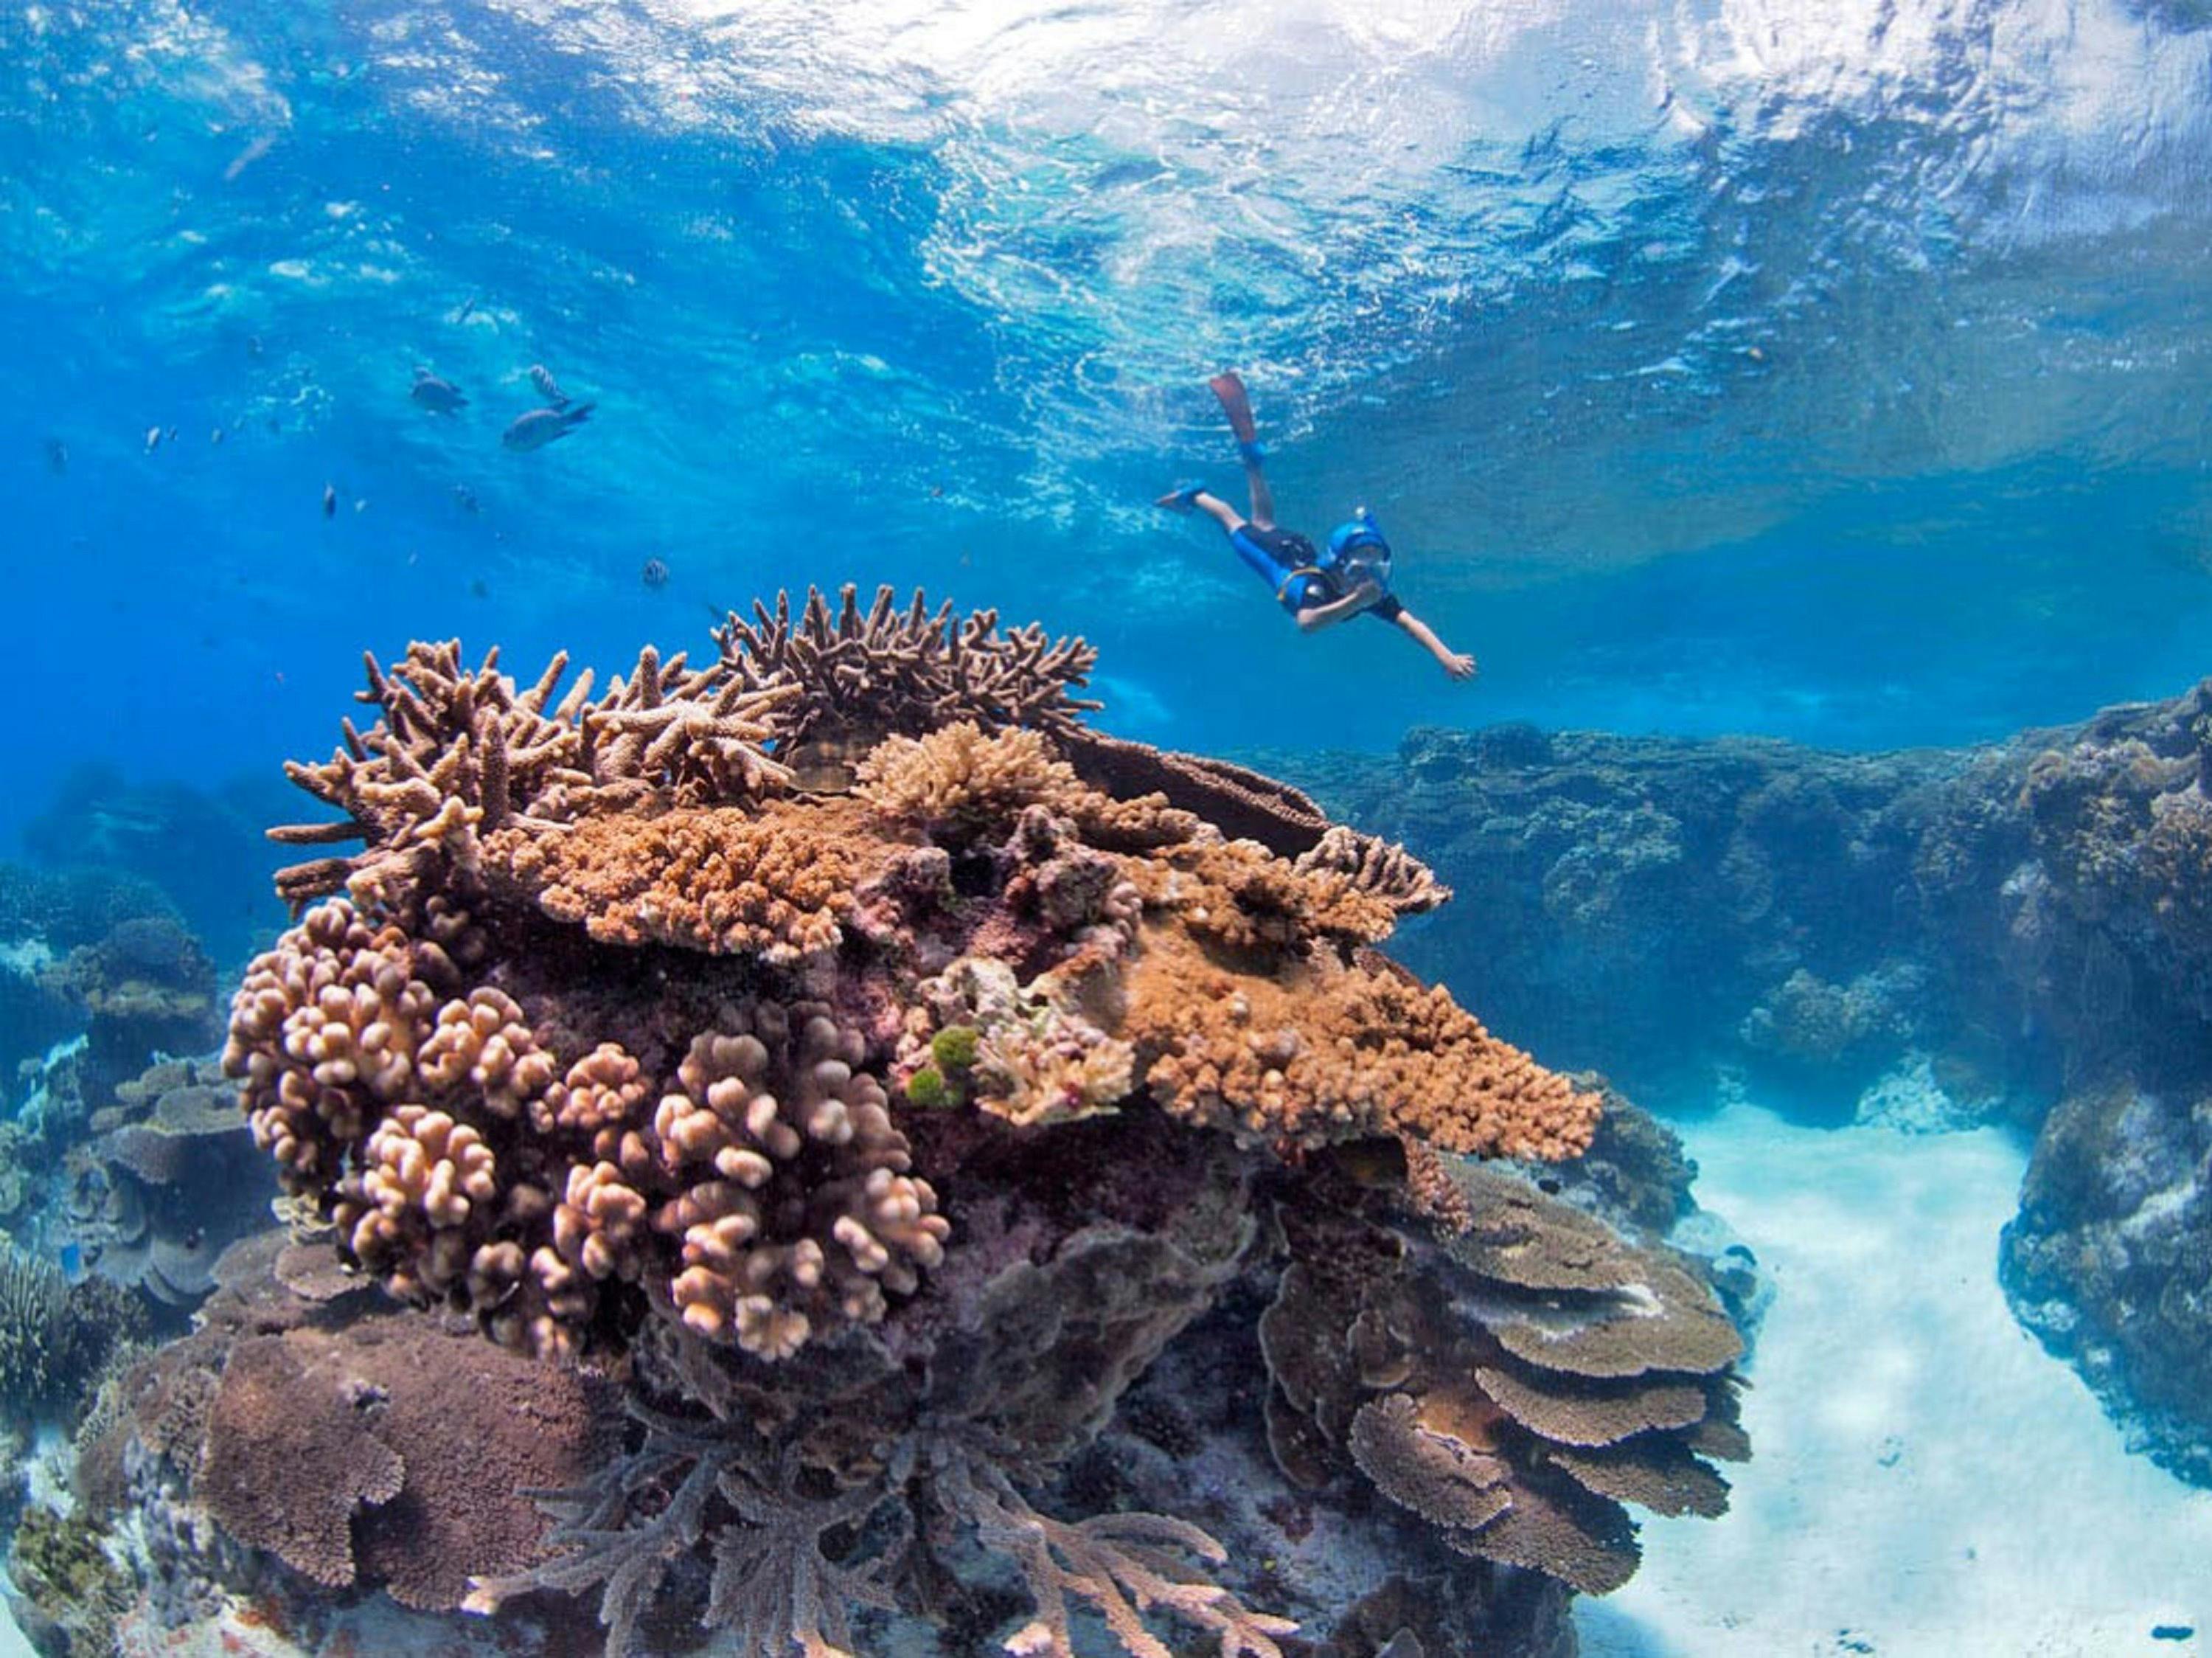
x: 1236, y: 405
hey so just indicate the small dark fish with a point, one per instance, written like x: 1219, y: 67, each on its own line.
x: 548, y: 387
x: 57, y: 456
x: 438, y: 396
x: 466, y: 498
x: 479, y: 588
x: 172, y: 434
x: 655, y: 574
x: 539, y: 427
x: 329, y: 500
x: 468, y: 309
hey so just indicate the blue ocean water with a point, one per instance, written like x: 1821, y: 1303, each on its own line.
x: 1725, y: 369
x: 1831, y: 373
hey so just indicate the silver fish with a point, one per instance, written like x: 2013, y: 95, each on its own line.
x: 329, y: 500
x: 548, y: 387
x: 535, y: 430
x: 438, y: 396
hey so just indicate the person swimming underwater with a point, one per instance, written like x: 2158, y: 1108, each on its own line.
x: 1352, y: 578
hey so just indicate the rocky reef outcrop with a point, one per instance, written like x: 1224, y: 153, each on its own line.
x: 2020, y: 932
x: 923, y: 1129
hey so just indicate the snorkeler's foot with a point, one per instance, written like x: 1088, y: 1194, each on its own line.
x: 1181, y: 498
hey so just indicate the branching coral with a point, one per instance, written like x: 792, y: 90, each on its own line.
x: 460, y: 754
x: 798, y: 1210
x: 888, y: 671
x: 962, y: 783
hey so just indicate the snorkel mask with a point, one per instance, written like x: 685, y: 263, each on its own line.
x: 1358, y: 552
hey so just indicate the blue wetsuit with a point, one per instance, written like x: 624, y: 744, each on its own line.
x: 1292, y: 569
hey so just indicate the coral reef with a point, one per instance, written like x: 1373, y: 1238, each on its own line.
x: 2016, y: 932
x: 862, y: 676
x: 878, y: 1132
x: 170, y: 1179
x: 56, y: 1336
x: 2110, y: 1259
x: 354, y: 1443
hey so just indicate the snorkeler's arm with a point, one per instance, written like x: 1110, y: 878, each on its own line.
x: 1458, y: 664
x: 1338, y: 610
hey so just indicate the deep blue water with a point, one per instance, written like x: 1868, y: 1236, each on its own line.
x: 1727, y: 368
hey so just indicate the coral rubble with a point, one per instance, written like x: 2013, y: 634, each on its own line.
x: 879, y: 1075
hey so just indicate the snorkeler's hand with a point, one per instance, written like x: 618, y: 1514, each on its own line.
x: 1460, y: 665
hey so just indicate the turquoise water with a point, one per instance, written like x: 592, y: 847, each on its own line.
x: 1714, y: 370
x: 1835, y: 373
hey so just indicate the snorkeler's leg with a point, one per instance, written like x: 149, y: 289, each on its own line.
x: 1263, y: 498
x: 1206, y: 500
x: 1229, y: 390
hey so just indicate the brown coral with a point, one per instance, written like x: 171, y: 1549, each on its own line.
x: 1404, y: 1355
x: 1319, y: 1052
x: 799, y: 1212
x: 461, y: 754
x: 777, y: 883
x: 962, y: 782
x: 888, y: 671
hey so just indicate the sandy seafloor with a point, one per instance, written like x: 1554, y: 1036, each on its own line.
x: 1927, y: 1482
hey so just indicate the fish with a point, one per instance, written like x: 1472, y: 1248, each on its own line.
x: 153, y: 439
x: 438, y: 396
x: 329, y: 500
x: 535, y: 430
x: 466, y: 498
x: 57, y: 456
x: 548, y: 387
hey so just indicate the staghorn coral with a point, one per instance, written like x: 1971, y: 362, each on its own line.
x: 460, y: 754
x: 888, y: 671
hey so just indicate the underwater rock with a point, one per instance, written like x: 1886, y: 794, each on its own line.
x: 2109, y: 1261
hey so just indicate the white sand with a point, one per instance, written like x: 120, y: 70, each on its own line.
x: 1926, y: 1480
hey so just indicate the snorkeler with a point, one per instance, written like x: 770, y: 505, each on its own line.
x: 1321, y: 589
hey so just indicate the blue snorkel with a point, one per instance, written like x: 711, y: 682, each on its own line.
x: 1358, y: 551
